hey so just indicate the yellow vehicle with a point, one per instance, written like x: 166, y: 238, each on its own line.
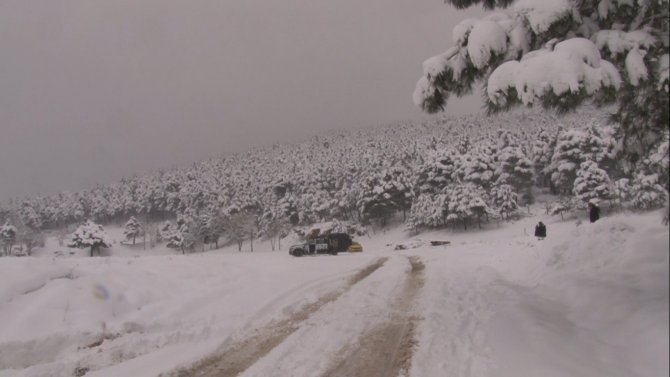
x: 355, y: 247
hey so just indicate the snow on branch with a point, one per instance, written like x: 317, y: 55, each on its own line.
x: 619, y: 41
x: 572, y: 66
x: 542, y: 14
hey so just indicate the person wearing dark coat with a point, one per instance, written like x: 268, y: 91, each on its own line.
x: 540, y: 230
x: 594, y: 212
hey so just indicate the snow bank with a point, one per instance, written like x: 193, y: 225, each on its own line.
x: 589, y: 300
x: 600, y: 306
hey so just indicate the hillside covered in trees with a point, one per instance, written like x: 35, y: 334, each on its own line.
x: 456, y: 172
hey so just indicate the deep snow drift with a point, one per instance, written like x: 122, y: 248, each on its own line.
x: 590, y: 300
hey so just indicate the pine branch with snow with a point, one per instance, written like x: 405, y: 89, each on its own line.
x: 561, y: 54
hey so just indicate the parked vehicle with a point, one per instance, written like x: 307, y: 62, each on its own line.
x: 326, y: 244
x: 355, y: 247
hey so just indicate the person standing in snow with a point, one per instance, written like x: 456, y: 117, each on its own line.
x: 594, y: 212
x: 540, y: 231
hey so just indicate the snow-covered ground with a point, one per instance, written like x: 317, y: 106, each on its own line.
x: 590, y: 300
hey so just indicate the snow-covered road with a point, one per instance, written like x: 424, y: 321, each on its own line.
x: 590, y: 300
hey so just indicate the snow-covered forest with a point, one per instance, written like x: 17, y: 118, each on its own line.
x: 468, y: 251
x: 450, y: 172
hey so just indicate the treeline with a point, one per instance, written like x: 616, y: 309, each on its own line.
x: 447, y: 172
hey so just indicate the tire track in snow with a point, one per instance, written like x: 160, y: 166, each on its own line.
x: 386, y: 349
x: 238, y: 356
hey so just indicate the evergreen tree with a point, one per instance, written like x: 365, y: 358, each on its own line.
x: 437, y: 171
x: 90, y: 235
x: 541, y: 154
x: 173, y: 237
x: 165, y: 231
x: 428, y: 210
x: 621, y: 191
x: 591, y: 183
x: 647, y: 193
x: 7, y: 237
x: 478, y: 168
x: 133, y: 229
x: 657, y: 162
x: 504, y: 199
x: 570, y: 152
x: 561, y: 54
x: 212, y: 227
x: 516, y: 170
x: 465, y: 201
x: 385, y: 193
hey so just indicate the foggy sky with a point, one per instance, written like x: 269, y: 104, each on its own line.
x: 93, y: 90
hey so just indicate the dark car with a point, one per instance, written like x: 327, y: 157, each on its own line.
x: 326, y: 244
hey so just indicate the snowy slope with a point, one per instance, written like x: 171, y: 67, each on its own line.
x: 590, y: 300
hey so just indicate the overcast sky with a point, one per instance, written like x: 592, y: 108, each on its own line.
x: 93, y: 90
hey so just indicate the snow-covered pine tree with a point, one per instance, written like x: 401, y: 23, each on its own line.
x: 657, y: 162
x: 563, y: 205
x: 90, y: 235
x: 621, y: 192
x: 8, y: 234
x: 541, y: 153
x: 191, y: 230
x: 133, y: 229
x: 463, y: 144
x: 480, y: 209
x: 592, y: 183
x: 428, y: 211
x: 29, y: 216
x: 173, y: 237
x: 212, y: 224
x: 561, y: 54
x: 569, y: 153
x: 647, y: 192
x: 504, y: 199
x: 437, y: 171
x: 478, y: 168
x: 465, y: 201
x: 165, y: 231
x: 516, y: 170
x: 384, y: 193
